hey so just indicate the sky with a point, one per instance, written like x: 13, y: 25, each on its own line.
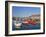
x: 18, y: 11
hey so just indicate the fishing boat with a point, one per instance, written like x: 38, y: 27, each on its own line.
x: 17, y: 24
x: 29, y: 22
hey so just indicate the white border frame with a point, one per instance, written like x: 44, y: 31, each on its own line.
x: 23, y: 31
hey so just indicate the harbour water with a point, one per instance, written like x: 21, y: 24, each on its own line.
x: 26, y: 26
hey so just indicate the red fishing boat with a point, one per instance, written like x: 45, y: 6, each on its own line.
x: 29, y: 22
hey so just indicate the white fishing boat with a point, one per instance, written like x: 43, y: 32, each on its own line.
x: 17, y: 24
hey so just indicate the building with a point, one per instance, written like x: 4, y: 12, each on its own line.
x: 36, y: 17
